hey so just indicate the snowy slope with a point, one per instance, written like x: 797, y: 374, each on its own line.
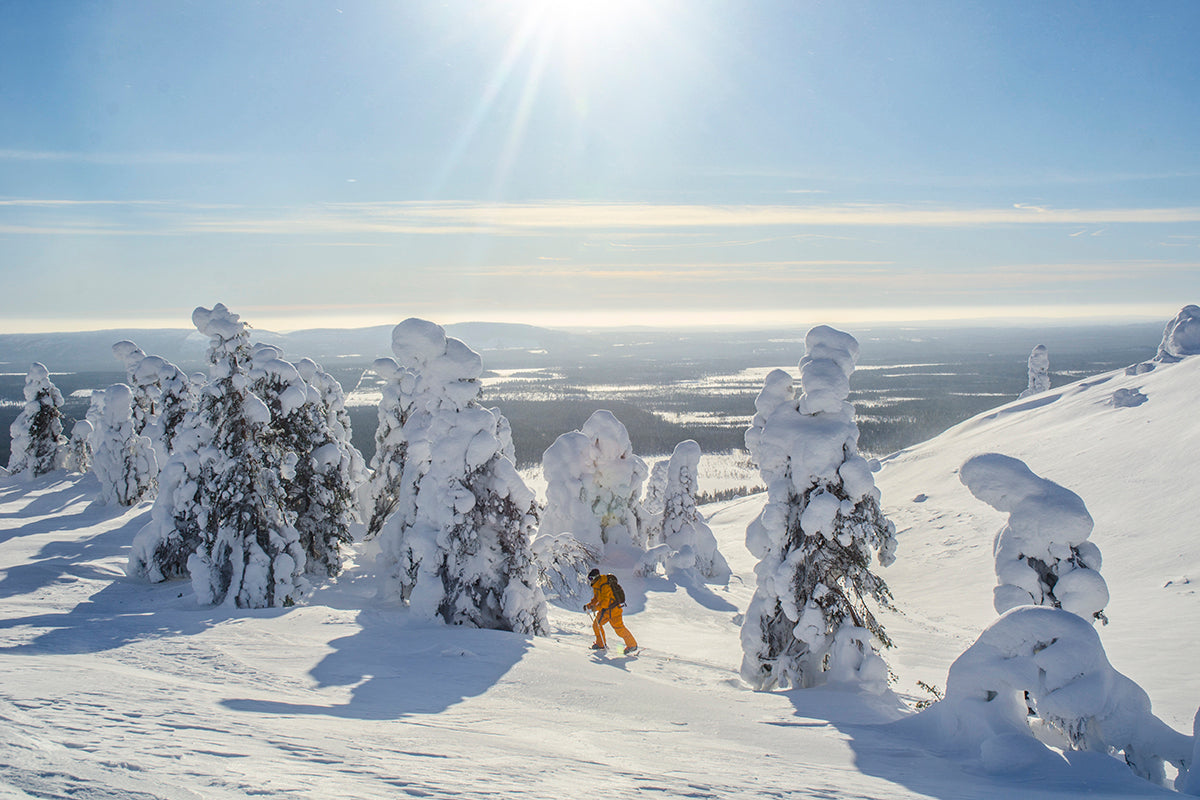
x: 1134, y: 467
x: 114, y: 688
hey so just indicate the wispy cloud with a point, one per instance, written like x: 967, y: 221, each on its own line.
x: 574, y: 218
x: 115, y: 159
x: 536, y: 218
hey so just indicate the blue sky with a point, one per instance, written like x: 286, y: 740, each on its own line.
x: 618, y: 162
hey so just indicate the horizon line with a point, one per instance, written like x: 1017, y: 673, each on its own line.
x: 285, y: 320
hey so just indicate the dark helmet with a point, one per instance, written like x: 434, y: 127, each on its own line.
x: 593, y: 575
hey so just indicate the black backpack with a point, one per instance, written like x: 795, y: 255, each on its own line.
x: 618, y: 592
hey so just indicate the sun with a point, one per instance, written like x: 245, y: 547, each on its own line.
x: 585, y: 22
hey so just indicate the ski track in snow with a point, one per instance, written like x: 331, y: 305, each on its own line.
x: 116, y: 689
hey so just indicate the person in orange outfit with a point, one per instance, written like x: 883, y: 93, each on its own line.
x: 607, y: 609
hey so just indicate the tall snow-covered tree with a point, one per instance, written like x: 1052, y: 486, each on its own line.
x: 691, y: 547
x: 457, y: 546
x: 222, y: 492
x: 306, y: 444
x: 123, y: 460
x: 1043, y: 554
x: 430, y: 371
x: 38, y: 444
x: 811, y: 617
x: 594, y: 486
x: 1039, y: 372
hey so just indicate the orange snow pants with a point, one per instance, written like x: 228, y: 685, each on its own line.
x: 613, y: 617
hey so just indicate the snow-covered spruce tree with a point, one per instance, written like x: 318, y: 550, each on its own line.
x: 130, y: 355
x: 1181, y: 336
x: 162, y: 396
x: 162, y: 547
x: 430, y: 371
x: 38, y: 444
x: 123, y: 461
x: 654, y: 502
x: 1039, y: 372
x: 810, y: 618
x: 220, y: 492
x: 690, y: 547
x: 594, y: 485
x: 459, y: 549
x: 333, y: 399
x: 387, y: 465
x: 319, y: 468
x: 1045, y: 670
x: 79, y: 452
x: 1043, y: 556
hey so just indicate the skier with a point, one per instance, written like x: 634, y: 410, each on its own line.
x: 607, y: 599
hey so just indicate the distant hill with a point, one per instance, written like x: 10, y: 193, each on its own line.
x: 80, y: 351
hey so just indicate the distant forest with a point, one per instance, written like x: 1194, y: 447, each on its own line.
x: 911, y: 385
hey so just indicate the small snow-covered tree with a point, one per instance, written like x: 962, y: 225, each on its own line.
x: 162, y: 396
x: 654, y: 501
x: 130, y: 355
x: 458, y: 545
x: 594, y: 484
x: 1042, y: 674
x: 79, y: 453
x: 123, y: 461
x: 306, y: 444
x: 810, y: 619
x: 333, y: 398
x: 221, y: 500
x: 689, y: 547
x: 1039, y: 372
x: 1043, y: 555
x: 38, y: 444
x: 387, y: 465
x: 1181, y: 336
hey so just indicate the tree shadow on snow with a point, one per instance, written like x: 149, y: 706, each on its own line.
x: 397, y: 668
x: 46, y: 500
x: 699, y: 591
x: 901, y: 752
x: 73, y: 558
x: 123, y: 612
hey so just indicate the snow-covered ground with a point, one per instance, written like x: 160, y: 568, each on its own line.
x: 118, y: 689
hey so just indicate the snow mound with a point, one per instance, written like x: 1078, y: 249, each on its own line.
x: 1047, y: 668
x: 1181, y: 337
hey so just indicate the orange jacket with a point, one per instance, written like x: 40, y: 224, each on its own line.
x: 602, y: 595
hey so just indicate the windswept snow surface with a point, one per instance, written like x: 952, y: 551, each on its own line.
x: 117, y: 688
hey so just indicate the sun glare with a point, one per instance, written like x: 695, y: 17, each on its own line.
x: 584, y: 21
